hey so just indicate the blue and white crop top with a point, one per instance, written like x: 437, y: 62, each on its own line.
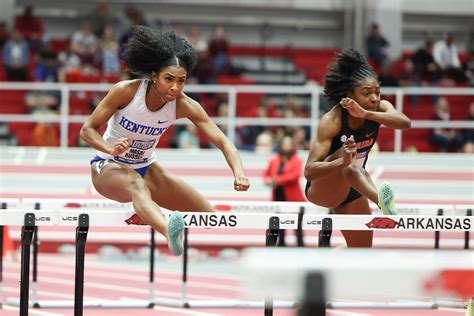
x: 142, y: 126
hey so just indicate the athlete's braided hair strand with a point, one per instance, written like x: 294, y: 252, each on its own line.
x: 349, y: 70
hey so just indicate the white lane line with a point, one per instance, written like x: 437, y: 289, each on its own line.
x: 19, y: 157
x: 132, y: 277
x: 182, y: 311
x: 55, y: 261
x: 454, y: 310
x: 41, y: 158
x: 344, y: 313
x: 30, y: 311
x: 16, y: 292
x: 116, y: 288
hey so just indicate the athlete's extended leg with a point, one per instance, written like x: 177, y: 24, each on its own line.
x: 356, y: 238
x: 172, y: 193
x: 122, y: 184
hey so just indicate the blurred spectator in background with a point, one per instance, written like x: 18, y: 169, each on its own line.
x: 283, y: 174
x: 194, y: 37
x: 300, y: 137
x: 376, y: 45
x: 444, y: 139
x: 250, y: 133
x: 467, y: 134
x: 70, y: 62
x: 425, y: 64
x: 31, y: 27
x: 109, y: 51
x: 85, y: 44
x: 100, y: 18
x: 203, y: 73
x: 16, y: 55
x: 134, y: 17
x: 469, y: 69
x: 4, y: 35
x: 264, y: 143
x: 218, y: 48
x: 409, y: 78
x: 188, y: 138
x: 293, y: 106
x: 386, y: 78
x: 43, y: 103
x: 446, y: 55
x: 48, y: 66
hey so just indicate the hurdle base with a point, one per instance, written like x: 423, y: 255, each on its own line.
x: 87, y: 304
x: 221, y: 304
x: 385, y: 305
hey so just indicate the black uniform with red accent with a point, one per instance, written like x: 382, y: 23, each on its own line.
x: 364, y: 137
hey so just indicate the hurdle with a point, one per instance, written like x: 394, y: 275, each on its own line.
x: 83, y: 221
x: 242, y: 220
x: 355, y: 274
x: 127, y: 209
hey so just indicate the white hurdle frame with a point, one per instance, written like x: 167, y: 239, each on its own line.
x: 316, y: 220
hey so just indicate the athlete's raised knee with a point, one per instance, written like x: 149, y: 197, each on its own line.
x: 351, y: 170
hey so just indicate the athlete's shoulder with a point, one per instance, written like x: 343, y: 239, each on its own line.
x: 124, y: 91
x: 332, y: 117
x: 187, y: 107
x: 185, y: 100
x: 330, y: 123
x: 127, y: 86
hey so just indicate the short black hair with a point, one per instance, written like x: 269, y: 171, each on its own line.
x: 150, y: 50
x: 349, y: 70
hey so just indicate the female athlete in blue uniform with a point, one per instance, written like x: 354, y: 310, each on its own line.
x: 335, y: 165
x: 137, y: 113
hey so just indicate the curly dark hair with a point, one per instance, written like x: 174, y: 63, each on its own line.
x: 350, y: 69
x: 150, y: 50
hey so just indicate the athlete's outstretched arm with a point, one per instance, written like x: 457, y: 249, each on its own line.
x: 386, y: 115
x: 189, y: 108
x: 121, y: 93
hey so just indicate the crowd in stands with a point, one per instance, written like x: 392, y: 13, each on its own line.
x: 92, y: 54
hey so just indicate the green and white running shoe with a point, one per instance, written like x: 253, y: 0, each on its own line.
x: 470, y: 307
x: 175, y: 233
x: 386, y: 199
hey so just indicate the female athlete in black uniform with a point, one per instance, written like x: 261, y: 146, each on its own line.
x: 335, y: 166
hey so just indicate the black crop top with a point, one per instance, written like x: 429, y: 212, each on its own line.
x: 364, y: 137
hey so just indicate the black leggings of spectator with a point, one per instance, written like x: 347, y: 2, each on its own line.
x: 446, y: 144
x: 16, y: 74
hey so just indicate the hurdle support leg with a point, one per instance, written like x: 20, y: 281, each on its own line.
x: 299, y: 230
x: 34, y: 282
x: 271, y: 239
x: 466, y: 233
x: 325, y: 233
x: 81, y: 238
x: 437, y: 233
x: 314, y: 299
x: 184, y: 285
x: 151, y: 286
x: 27, y: 232
x: 3, y: 206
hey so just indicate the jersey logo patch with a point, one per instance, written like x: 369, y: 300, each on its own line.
x: 367, y: 135
x: 162, y: 122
